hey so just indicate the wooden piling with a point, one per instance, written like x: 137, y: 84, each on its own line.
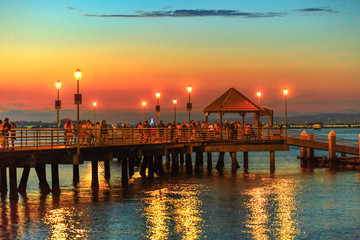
x: 14, y: 197
x: 197, y: 162
x: 3, y: 181
x: 303, y: 151
x: 131, y: 166
x: 76, y: 176
x: 188, y: 163
x: 332, y: 150
x: 124, y: 171
x: 209, y: 162
x: 24, y: 180
x: 41, y: 173
x: 151, y: 167
x: 94, y: 174
x: 144, y: 166
x: 220, y: 164
x: 181, y: 159
x: 311, y: 162
x: 246, y: 161
x: 54, y: 179
x: 272, y: 161
x: 234, y: 164
x: 107, y: 160
x: 167, y: 161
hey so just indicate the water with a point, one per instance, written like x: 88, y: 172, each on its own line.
x: 292, y: 204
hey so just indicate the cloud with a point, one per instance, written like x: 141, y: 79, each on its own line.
x: 70, y: 8
x: 315, y: 10
x: 193, y: 13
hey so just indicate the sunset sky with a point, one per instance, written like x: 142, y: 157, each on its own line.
x: 128, y: 50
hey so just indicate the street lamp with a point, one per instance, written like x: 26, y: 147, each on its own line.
x: 285, y: 97
x: 157, y: 108
x: 144, y: 105
x: 94, y: 105
x: 259, y: 96
x: 189, y: 105
x: 78, y: 101
x: 58, y: 102
x: 175, y: 102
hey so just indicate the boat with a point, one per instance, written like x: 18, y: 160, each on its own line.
x: 317, y: 127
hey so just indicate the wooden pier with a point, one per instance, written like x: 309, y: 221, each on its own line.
x: 38, y: 148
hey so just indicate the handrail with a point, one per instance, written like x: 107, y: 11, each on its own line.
x: 51, y: 138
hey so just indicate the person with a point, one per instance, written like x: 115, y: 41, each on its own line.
x: 13, y: 135
x: 69, y: 128
x: 161, y: 127
x: 104, y: 132
x: 281, y: 128
x: 97, y: 134
x: 2, y: 138
x: 5, y: 132
x: 87, y: 127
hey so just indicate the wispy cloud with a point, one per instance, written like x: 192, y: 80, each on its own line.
x: 315, y: 10
x: 192, y: 13
x: 70, y: 8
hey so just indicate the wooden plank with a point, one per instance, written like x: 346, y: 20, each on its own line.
x: 247, y: 148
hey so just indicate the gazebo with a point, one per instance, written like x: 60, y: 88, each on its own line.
x: 232, y: 101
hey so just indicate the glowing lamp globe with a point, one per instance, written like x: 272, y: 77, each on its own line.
x: 174, y: 101
x: 78, y: 74
x: 189, y: 89
x: 58, y: 84
x: 285, y: 92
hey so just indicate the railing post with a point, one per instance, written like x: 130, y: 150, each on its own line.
x: 21, y: 139
x: 52, y: 138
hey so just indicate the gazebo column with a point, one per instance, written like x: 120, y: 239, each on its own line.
x: 271, y: 119
x: 221, y: 125
x: 243, y: 119
x: 258, y: 125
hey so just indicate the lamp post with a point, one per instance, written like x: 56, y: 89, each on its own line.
x: 144, y: 105
x: 175, y: 102
x: 94, y: 105
x: 58, y: 102
x: 285, y: 97
x: 259, y: 96
x: 189, y: 105
x: 157, y: 108
x: 78, y: 101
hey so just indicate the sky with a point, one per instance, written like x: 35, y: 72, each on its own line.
x: 129, y: 50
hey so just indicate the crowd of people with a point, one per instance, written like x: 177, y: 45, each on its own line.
x: 89, y: 135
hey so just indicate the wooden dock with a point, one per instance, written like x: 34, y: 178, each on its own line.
x: 37, y: 148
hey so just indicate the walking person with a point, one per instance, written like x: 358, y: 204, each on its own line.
x: 13, y: 135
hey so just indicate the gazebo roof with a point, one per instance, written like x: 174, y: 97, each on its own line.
x: 232, y: 101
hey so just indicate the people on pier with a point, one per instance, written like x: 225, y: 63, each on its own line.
x: 97, y: 135
x: 69, y: 132
x: 2, y: 137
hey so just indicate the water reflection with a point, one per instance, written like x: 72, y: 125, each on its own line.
x: 64, y: 224
x: 272, y: 210
x: 178, y: 207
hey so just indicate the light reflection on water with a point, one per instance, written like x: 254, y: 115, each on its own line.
x: 179, y: 204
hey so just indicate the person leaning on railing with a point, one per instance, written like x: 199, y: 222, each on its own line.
x: 5, y: 131
x: 104, y: 132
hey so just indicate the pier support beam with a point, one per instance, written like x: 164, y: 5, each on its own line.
x: 246, y: 161
x: 94, y: 175
x: 41, y: 173
x: 303, y: 151
x: 151, y: 167
x: 188, y: 164
x: 14, y: 197
x: 124, y: 171
x: 332, y: 150
x: 174, y: 163
x: 181, y: 159
x: 24, y: 180
x: 234, y: 164
x: 209, y: 162
x: 54, y: 179
x: 131, y: 166
x: 159, y: 170
x: 76, y: 177
x: 167, y: 161
x: 197, y: 162
x: 220, y: 164
x: 107, y: 160
x: 272, y: 161
x: 3, y: 181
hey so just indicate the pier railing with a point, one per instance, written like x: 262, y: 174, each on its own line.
x: 324, y: 138
x: 51, y: 138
